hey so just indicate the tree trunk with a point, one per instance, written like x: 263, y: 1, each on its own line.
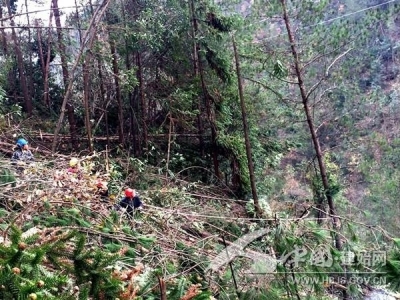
x: 89, y: 36
x: 106, y: 120
x: 235, y: 180
x: 64, y: 67
x: 86, y: 95
x: 207, y: 99
x: 101, y: 83
x: 40, y: 48
x: 317, y: 146
x: 143, y: 103
x: 20, y: 61
x: 250, y: 164
x: 29, y: 68
x: 195, y: 55
x: 46, y: 66
x: 86, y: 89
x: 104, y: 103
x: 3, y: 34
x: 61, y: 46
x: 133, y: 131
x: 117, y: 91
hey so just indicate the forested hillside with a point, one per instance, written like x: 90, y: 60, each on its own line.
x: 261, y: 136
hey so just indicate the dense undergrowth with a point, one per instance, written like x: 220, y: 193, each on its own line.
x: 62, y: 240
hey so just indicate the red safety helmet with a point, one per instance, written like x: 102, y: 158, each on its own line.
x: 130, y: 193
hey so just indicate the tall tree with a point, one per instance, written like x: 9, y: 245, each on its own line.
x: 20, y: 62
x: 112, y: 19
x: 42, y: 59
x: 2, y: 31
x: 143, y: 102
x: 47, y: 58
x: 88, y: 39
x: 207, y: 100
x: 86, y: 78
x: 117, y: 86
x: 195, y: 58
x: 65, y: 72
x: 29, y: 67
x: 138, y: 131
x: 249, y: 155
x: 307, y: 110
x: 103, y: 102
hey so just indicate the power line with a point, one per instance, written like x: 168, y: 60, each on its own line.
x: 35, y: 12
x: 338, y: 18
x: 39, y: 27
x: 353, y: 13
x: 272, y: 37
x: 221, y: 217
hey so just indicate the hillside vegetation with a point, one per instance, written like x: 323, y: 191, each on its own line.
x: 261, y: 136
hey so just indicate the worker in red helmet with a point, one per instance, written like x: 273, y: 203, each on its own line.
x: 131, y: 201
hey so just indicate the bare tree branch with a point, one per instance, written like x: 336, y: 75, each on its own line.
x: 335, y: 60
x: 314, y: 87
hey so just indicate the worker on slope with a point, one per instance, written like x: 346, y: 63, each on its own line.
x: 22, y: 152
x: 130, y: 202
x: 74, y: 168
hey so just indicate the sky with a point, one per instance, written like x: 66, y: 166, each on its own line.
x: 41, y: 10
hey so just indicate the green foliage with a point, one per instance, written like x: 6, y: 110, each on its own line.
x: 235, y: 148
x: 221, y: 65
x: 44, y: 267
x: 6, y: 65
x: 333, y: 174
x: 220, y: 23
x: 279, y: 70
x: 129, y: 80
x: 159, y: 35
x: 263, y: 202
x: 2, y: 95
x: 379, y: 168
x: 296, y: 245
x: 179, y: 290
x: 261, y: 294
x: 7, y: 177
